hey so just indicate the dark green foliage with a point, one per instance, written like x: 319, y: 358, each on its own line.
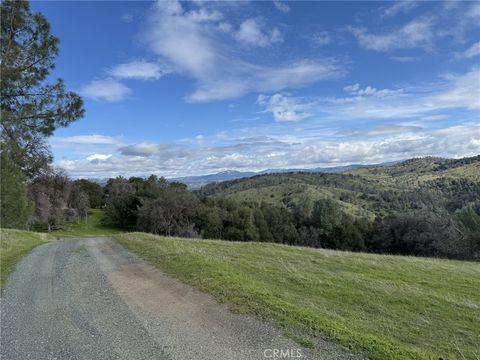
x: 209, y: 220
x: 31, y: 109
x: 421, y: 233
x: 326, y: 215
x: 93, y: 190
x: 469, y: 217
x: 121, y: 203
x: 15, y: 208
x: 171, y: 213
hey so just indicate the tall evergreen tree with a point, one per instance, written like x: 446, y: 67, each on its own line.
x: 15, y: 208
x: 31, y: 108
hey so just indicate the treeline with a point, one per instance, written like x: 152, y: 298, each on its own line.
x: 50, y: 199
x: 442, y: 218
x: 158, y: 206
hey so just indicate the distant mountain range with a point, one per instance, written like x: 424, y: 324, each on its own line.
x: 196, y: 182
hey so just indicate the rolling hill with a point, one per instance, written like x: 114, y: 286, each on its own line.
x: 364, y: 191
x: 196, y: 182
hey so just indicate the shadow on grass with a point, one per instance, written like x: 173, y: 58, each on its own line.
x: 93, y: 225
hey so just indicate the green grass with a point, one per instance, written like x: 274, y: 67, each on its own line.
x: 91, y: 227
x: 14, y: 245
x: 388, y: 307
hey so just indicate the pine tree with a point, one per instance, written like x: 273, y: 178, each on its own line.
x: 15, y: 208
x: 31, y: 109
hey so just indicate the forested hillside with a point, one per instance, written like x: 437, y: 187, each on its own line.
x: 372, y: 190
x: 418, y: 200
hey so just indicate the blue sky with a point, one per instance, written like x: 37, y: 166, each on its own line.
x: 189, y: 88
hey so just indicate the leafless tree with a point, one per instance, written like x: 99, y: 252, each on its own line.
x: 50, y: 193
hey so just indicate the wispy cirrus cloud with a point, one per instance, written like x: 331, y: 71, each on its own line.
x: 281, y: 6
x: 94, y: 139
x: 417, y: 33
x: 201, y: 48
x: 472, y: 51
x: 428, y: 30
x: 357, y: 90
x: 454, y: 91
x: 402, y: 6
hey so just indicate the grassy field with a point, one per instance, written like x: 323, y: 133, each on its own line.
x: 91, y: 227
x: 388, y: 307
x: 14, y: 245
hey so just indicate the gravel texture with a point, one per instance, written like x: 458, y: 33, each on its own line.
x: 92, y: 299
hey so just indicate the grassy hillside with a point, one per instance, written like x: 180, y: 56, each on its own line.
x: 14, y: 245
x: 387, y: 307
x: 414, y: 172
x: 363, y: 192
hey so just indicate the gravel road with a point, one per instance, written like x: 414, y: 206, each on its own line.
x: 92, y: 299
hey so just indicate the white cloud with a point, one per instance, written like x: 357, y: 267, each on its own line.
x: 252, y: 32
x: 184, y: 42
x: 139, y: 69
x: 474, y: 11
x: 472, y: 51
x: 248, y: 77
x: 224, y: 27
x: 399, y: 7
x: 281, y: 6
x: 417, y: 33
x: 357, y: 90
x: 84, y: 145
x: 106, y: 90
x: 144, y: 149
x: 86, y: 140
x: 288, y: 150
x: 460, y: 91
x: 382, y: 130
x: 284, y: 108
x: 464, y: 92
x: 201, y: 51
x: 99, y: 157
x: 204, y: 15
x: 455, y: 92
